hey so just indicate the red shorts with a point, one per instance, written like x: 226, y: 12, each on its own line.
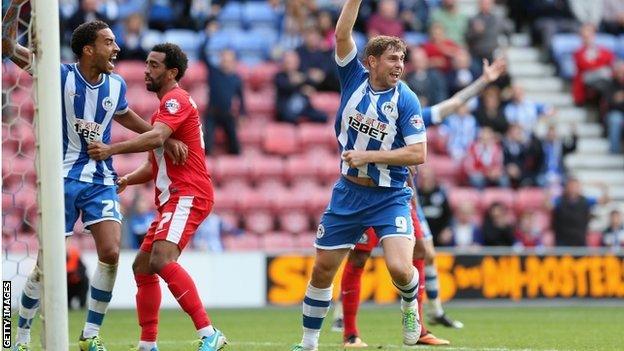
x: 369, y: 239
x: 177, y: 221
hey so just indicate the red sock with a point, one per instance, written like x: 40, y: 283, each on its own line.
x: 350, y: 295
x: 148, y: 303
x: 420, y: 267
x: 183, y: 289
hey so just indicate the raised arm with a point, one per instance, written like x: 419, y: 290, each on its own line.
x: 151, y: 140
x: 22, y: 56
x: 490, y: 74
x: 344, y: 28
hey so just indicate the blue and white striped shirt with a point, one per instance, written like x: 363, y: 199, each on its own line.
x: 375, y: 120
x: 87, y: 114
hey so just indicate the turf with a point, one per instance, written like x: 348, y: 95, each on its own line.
x: 486, y: 328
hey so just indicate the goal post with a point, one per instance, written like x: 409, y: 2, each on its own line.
x: 49, y: 161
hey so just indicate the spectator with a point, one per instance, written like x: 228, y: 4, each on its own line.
x: 293, y: 93
x: 440, y: 49
x: 386, y: 20
x: 613, y: 17
x: 524, y: 112
x: 593, y: 71
x: 515, y: 154
x: 90, y: 10
x: 498, y: 226
x: 130, y: 37
x: 464, y: 231
x: 615, y: 108
x: 426, y: 82
x: 555, y: 149
x: 483, y: 32
x: 528, y: 233
x: 461, y: 74
x: 452, y: 20
x: 315, y: 59
x: 77, y: 279
x: 551, y: 17
x: 613, y: 235
x: 587, y: 11
x: 460, y: 130
x: 490, y: 113
x: 434, y: 203
x: 414, y: 14
x: 130, y: 7
x: 140, y: 220
x: 571, y: 214
x: 327, y: 28
x: 209, y: 233
x: 484, y: 162
x: 225, y: 84
x: 167, y: 14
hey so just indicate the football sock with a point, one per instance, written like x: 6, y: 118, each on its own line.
x: 315, y: 306
x: 146, y: 345
x: 183, y: 289
x: 148, y: 299
x: 408, y: 292
x: 100, y: 294
x: 29, y: 303
x: 338, y: 310
x: 420, y: 267
x: 207, y: 331
x: 432, y: 286
x: 350, y: 295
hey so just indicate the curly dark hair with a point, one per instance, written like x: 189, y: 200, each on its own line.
x: 86, y: 34
x: 174, y: 58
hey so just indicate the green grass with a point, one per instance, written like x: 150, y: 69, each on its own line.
x: 486, y: 328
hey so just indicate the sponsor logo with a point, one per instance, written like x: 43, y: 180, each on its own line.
x: 320, y: 231
x: 107, y: 103
x: 418, y: 123
x: 89, y: 131
x: 172, y: 105
x: 372, y: 127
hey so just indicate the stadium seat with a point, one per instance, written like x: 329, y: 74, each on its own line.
x: 294, y: 221
x: 261, y: 76
x: 444, y: 167
x: 133, y: 72
x: 251, y: 132
x: 266, y: 167
x: 503, y: 195
x: 226, y: 200
x: 620, y: 47
x: 254, y: 200
x: 290, y: 199
x: 329, y: 169
x: 310, y: 134
x: 328, y: 102
x: 259, y: 222
x: 124, y: 164
x: 305, y: 241
x: 280, y: 139
x: 300, y: 168
x: 318, y: 201
x: 277, y: 241
x: 259, y: 15
x: 245, y: 242
x: 199, y: 93
x: 530, y: 199
x: 231, y: 15
x: 415, y: 38
x: 458, y: 196
x: 196, y: 76
x: 259, y: 104
x: 188, y: 40
x: 594, y: 239
x: 149, y: 39
x: 230, y: 167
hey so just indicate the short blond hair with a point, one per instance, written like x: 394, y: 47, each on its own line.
x: 379, y: 44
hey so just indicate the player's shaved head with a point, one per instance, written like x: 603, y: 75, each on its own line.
x: 86, y: 34
x: 174, y: 58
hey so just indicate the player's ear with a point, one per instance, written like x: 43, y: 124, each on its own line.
x: 173, y: 73
x: 88, y: 49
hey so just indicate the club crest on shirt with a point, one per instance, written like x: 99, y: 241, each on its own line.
x: 320, y: 231
x: 172, y: 105
x: 418, y: 123
x: 388, y: 108
x: 107, y: 103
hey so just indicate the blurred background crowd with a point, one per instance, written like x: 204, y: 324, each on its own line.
x: 535, y: 161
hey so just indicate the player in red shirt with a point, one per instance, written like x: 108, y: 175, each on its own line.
x: 184, y: 198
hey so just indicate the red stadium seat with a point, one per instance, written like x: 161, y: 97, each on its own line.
x: 259, y: 103
x: 226, y: 199
x: 255, y: 200
x: 196, y: 76
x: 199, y: 93
x: 259, y: 221
x: 310, y: 134
x: 329, y: 169
x: 133, y: 72
x: 503, y: 195
x: 318, y: 201
x: 243, y: 242
x: 278, y: 241
x: 251, y: 132
x: 594, y: 239
x: 530, y: 199
x: 261, y: 76
x: 444, y: 168
x: 328, y: 102
x: 300, y: 168
x: 230, y: 167
x: 294, y: 221
x: 280, y: 139
x: 458, y: 196
x: 305, y: 241
x: 266, y: 167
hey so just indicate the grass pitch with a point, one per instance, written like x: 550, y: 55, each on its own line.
x: 486, y: 328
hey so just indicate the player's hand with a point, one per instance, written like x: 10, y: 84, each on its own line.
x: 122, y: 184
x: 493, y: 71
x: 355, y: 158
x: 177, y: 150
x: 99, y: 151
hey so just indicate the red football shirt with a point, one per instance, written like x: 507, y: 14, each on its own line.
x: 178, y: 111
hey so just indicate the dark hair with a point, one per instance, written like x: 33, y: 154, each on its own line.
x: 86, y: 34
x: 379, y: 44
x: 174, y: 58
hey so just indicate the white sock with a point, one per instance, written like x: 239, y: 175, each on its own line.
x: 408, y: 292
x: 315, y: 307
x: 436, y: 307
x: 100, y: 295
x: 28, y: 306
x: 146, y: 345
x: 338, y: 310
x: 206, y: 331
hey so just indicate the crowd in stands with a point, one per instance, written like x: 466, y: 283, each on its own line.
x: 263, y: 72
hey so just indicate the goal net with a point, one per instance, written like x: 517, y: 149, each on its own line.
x: 32, y: 190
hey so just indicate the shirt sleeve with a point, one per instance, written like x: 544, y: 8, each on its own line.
x: 122, y: 104
x: 350, y: 69
x: 410, y: 120
x: 431, y: 115
x: 173, y: 110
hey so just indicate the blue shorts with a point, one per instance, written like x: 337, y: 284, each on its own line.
x: 424, y: 225
x: 96, y: 202
x: 354, y: 208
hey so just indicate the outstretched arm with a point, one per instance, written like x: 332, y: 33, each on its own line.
x: 490, y: 74
x: 344, y: 28
x: 153, y: 139
x: 22, y: 56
